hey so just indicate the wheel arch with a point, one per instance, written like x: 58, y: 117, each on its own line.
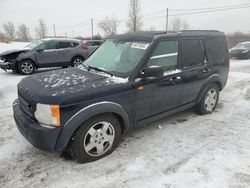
x: 77, y: 120
x: 214, y: 79
x: 77, y: 55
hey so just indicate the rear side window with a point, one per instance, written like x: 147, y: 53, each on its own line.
x: 64, y: 45
x: 193, y: 53
x: 217, y: 49
x: 165, y: 55
x: 75, y: 44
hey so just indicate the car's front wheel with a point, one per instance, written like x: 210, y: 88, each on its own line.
x: 95, y: 139
x: 77, y: 61
x: 26, y: 67
x: 209, y: 100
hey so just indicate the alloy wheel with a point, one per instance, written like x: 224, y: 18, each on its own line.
x: 99, y: 139
x: 210, y: 100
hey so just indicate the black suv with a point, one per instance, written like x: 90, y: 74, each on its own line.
x: 131, y: 80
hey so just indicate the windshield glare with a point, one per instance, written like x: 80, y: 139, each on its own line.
x: 34, y: 44
x: 118, y: 57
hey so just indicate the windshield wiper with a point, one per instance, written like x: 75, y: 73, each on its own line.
x: 101, y: 70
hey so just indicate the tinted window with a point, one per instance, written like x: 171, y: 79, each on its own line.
x: 91, y: 43
x: 165, y: 55
x: 193, y: 52
x: 97, y: 43
x: 75, y: 44
x: 64, y: 45
x: 217, y: 49
x: 48, y: 45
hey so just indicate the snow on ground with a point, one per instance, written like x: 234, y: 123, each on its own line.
x: 181, y: 151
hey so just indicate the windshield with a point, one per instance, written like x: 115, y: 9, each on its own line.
x: 243, y: 45
x: 34, y: 44
x: 118, y: 57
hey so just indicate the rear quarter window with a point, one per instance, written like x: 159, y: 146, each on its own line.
x: 217, y: 49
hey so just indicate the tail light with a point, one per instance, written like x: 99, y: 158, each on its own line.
x: 85, y: 46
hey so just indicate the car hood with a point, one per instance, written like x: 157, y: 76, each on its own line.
x: 14, y: 51
x: 238, y: 49
x: 68, y: 86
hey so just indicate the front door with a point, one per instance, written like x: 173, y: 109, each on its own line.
x: 159, y: 95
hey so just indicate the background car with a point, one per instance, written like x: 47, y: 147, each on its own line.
x: 241, y: 50
x: 45, y: 53
x: 91, y: 45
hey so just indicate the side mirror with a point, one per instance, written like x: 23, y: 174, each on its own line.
x: 153, y: 72
x: 39, y: 50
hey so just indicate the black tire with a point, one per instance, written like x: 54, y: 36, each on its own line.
x: 77, y: 145
x: 202, y: 107
x: 30, y: 67
x: 77, y: 61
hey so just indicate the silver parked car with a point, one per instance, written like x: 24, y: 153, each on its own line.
x: 58, y: 52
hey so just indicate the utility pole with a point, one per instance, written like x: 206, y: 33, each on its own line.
x: 54, y: 27
x: 167, y: 19
x: 92, y: 28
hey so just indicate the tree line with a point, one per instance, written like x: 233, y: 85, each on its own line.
x: 108, y: 26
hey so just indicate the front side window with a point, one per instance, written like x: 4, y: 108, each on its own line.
x: 193, y: 52
x: 50, y: 45
x: 118, y: 57
x: 165, y: 55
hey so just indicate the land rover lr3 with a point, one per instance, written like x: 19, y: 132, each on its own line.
x: 131, y: 80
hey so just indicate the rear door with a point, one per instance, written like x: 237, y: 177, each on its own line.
x: 64, y: 52
x: 194, y: 68
x: 47, y: 54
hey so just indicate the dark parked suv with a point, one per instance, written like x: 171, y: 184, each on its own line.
x: 131, y: 80
x: 44, y: 53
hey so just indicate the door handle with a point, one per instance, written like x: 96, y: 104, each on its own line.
x: 205, y: 70
x: 172, y: 80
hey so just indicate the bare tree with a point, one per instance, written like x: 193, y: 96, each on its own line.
x: 134, y: 22
x: 179, y: 24
x: 109, y: 26
x: 9, y: 30
x: 23, y: 32
x: 41, y: 29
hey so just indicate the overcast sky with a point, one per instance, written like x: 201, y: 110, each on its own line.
x: 76, y: 14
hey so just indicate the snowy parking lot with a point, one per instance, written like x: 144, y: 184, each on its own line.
x: 182, y: 151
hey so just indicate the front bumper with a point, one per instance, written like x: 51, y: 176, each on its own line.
x: 39, y: 136
x: 7, y: 65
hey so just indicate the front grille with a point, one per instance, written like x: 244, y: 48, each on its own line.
x: 27, y: 107
x: 24, y: 91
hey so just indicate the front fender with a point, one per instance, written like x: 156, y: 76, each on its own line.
x: 86, y: 113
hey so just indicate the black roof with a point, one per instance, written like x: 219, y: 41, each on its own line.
x: 150, y: 35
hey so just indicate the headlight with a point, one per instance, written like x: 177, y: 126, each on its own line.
x: 245, y: 51
x: 48, y: 114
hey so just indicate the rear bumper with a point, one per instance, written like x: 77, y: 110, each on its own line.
x: 39, y: 136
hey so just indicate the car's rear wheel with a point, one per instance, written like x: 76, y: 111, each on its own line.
x: 209, y: 100
x: 95, y: 139
x: 26, y: 67
x: 76, y: 61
